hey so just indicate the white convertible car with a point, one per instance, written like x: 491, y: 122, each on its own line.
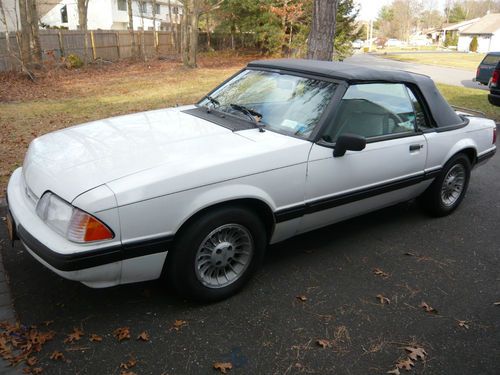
x: 196, y: 193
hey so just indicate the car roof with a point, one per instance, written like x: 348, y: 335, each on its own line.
x: 441, y: 111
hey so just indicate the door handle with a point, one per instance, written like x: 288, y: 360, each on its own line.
x: 416, y: 147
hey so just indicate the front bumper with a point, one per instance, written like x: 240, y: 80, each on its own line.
x: 96, y: 265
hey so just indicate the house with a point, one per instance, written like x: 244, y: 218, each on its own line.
x: 11, y: 8
x: 452, y: 31
x: 487, y: 32
x: 113, y: 15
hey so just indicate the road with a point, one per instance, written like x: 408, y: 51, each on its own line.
x: 450, y: 263
x: 450, y: 76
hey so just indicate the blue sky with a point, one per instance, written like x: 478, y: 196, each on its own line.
x: 370, y: 8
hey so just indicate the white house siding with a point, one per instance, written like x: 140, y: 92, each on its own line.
x: 486, y: 43
x: 105, y: 15
x: 11, y: 9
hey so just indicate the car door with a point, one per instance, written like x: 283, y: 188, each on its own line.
x: 390, y: 169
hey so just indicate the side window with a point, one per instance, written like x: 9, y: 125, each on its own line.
x: 373, y: 110
x: 420, y: 119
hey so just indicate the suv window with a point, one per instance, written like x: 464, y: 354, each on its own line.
x: 373, y: 110
x: 491, y: 60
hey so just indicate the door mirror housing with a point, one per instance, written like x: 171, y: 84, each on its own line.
x: 352, y: 142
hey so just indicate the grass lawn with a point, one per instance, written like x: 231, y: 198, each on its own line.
x: 468, y: 61
x: 62, y: 98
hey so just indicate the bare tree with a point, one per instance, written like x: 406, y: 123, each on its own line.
x: 3, y: 19
x: 83, y: 6
x: 131, y: 28
x: 33, y: 19
x: 25, y: 33
x: 320, y: 41
x: 142, y: 5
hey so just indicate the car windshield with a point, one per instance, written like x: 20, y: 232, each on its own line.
x: 280, y: 102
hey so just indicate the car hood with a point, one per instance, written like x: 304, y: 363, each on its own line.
x: 72, y: 161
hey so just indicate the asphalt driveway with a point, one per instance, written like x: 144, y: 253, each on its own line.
x: 450, y: 76
x: 452, y: 264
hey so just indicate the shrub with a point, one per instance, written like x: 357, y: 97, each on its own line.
x: 73, y: 61
x: 473, y: 44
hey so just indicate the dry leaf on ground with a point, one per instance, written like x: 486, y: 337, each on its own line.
x: 416, y: 352
x: 127, y: 373
x: 383, y: 300
x: 496, y: 303
x: 31, y: 361
x: 223, y: 367
x: 301, y: 298
x: 463, y: 323
x: 178, y: 324
x: 129, y: 364
x: 57, y: 356
x: 394, y: 372
x: 324, y: 343
x: 74, y: 336
x: 380, y: 273
x: 36, y: 370
x: 428, y: 308
x: 406, y: 364
x: 95, y: 338
x: 143, y: 336
x: 122, y: 333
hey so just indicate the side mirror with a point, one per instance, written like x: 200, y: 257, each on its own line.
x: 352, y: 142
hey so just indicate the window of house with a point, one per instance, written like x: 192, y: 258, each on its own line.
x: 374, y: 110
x: 158, y: 9
x: 64, y: 14
x: 122, y: 5
x: 143, y: 7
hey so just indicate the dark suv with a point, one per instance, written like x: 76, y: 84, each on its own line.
x: 494, y: 96
x: 486, y: 67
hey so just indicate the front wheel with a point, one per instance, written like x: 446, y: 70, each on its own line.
x: 216, y: 254
x: 448, y: 189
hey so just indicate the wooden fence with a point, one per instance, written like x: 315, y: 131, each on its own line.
x: 115, y: 45
x: 102, y: 44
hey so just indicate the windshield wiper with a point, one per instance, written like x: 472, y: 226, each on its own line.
x: 250, y: 113
x: 212, y: 100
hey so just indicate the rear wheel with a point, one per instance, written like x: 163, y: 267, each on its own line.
x: 216, y: 254
x: 448, y: 189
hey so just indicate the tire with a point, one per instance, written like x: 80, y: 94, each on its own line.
x: 216, y: 254
x: 447, y: 191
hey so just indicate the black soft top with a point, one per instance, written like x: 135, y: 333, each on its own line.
x: 441, y: 111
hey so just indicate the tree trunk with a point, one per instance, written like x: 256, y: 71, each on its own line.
x: 82, y: 21
x: 193, y: 34
x: 208, y: 32
x: 131, y: 28
x: 143, y: 38
x: 321, y: 37
x: 25, y: 33
x: 185, y: 35
x: 36, y: 49
x: 7, y: 35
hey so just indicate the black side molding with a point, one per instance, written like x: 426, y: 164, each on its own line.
x: 93, y: 258
x: 486, y: 155
x: 341, y: 199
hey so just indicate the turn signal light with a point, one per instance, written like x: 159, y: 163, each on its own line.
x: 86, y: 228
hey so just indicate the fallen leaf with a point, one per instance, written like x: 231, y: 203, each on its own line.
x: 394, y: 372
x: 129, y: 364
x: 36, y: 370
x: 223, y: 367
x: 31, y: 361
x: 463, y: 323
x: 178, y: 324
x: 415, y: 353
x: 95, y: 338
x: 324, y: 343
x: 496, y: 303
x: 74, y: 336
x: 301, y: 298
x: 383, y: 300
x: 56, y: 356
x: 143, y: 336
x: 428, y: 308
x: 127, y: 373
x: 122, y: 333
x: 379, y: 272
x: 410, y: 255
x: 406, y: 364
x: 27, y: 370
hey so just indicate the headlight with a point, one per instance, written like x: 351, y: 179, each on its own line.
x: 70, y: 222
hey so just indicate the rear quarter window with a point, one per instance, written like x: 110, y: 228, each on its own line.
x: 491, y: 60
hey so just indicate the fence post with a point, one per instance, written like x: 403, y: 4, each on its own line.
x: 117, y: 36
x: 61, y: 43
x: 92, y: 41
